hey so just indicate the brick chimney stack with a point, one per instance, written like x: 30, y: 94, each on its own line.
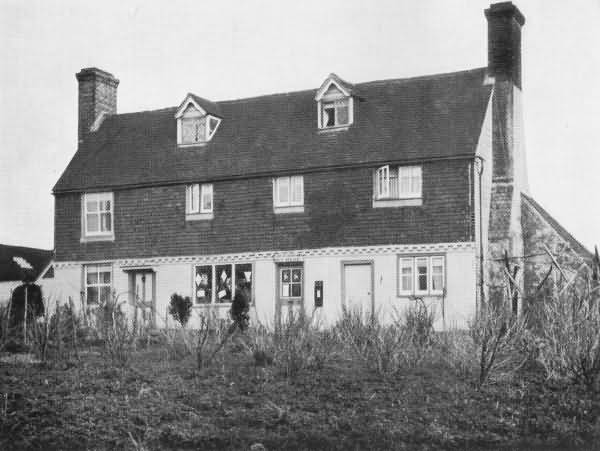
x: 97, y: 98
x: 504, y: 41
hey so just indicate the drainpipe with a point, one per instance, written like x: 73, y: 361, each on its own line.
x: 481, y: 258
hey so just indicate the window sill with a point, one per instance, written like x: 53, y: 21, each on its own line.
x: 91, y: 239
x: 199, y: 216
x: 192, y: 145
x: 285, y: 210
x: 337, y: 128
x: 386, y: 203
x: 209, y: 305
x: 422, y: 295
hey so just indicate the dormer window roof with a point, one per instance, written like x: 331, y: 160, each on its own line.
x: 197, y: 121
x: 335, y: 104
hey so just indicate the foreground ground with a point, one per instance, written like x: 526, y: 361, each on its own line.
x: 161, y: 403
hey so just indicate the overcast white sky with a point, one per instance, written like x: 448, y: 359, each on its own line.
x: 224, y: 49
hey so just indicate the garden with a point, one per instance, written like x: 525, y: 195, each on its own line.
x: 530, y: 381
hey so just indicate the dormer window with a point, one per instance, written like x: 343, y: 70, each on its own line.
x: 335, y: 104
x: 196, y: 125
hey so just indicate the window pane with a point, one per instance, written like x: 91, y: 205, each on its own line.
x: 105, y: 294
x: 213, y: 124
x: 91, y: 206
x: 243, y: 273
x: 329, y: 116
x: 92, y: 277
x: 296, y: 290
x: 285, y: 275
x: 437, y: 273
x: 207, y: 194
x: 422, y: 274
x: 104, y: 277
x: 223, y: 283
x: 203, y: 284
x: 406, y: 271
x: 296, y: 275
x: 342, y: 114
x: 92, y: 295
x: 188, y: 130
x: 105, y: 225
x: 283, y: 185
x: 200, y: 130
x: 297, y: 189
x: 285, y: 290
x: 105, y: 205
x: 92, y: 222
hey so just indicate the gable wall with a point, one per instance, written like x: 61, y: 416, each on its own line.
x: 338, y: 212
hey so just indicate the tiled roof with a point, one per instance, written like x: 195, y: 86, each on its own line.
x: 577, y: 247
x: 411, y: 119
x: 13, y: 258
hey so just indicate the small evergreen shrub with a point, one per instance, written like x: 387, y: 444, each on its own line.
x: 180, y: 308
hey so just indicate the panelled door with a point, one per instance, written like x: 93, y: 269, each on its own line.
x: 290, y: 290
x: 143, y: 292
x: 357, y: 286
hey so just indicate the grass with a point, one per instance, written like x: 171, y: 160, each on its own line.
x: 157, y: 402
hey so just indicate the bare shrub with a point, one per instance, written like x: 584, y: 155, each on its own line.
x: 569, y: 345
x: 497, y: 335
x: 298, y: 344
x: 118, y: 335
x: 457, y: 350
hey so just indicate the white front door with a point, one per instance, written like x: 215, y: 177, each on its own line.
x: 358, y: 286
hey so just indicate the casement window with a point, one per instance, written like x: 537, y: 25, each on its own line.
x: 421, y: 275
x: 98, y: 287
x: 216, y: 284
x: 288, y: 192
x: 401, y: 182
x: 335, y: 114
x: 194, y: 125
x: 290, y: 281
x: 199, y: 199
x: 98, y: 215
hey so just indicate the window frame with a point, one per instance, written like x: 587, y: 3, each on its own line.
x: 211, y: 124
x: 213, y: 301
x: 342, y: 98
x: 290, y: 203
x: 411, y: 260
x: 281, y: 283
x: 195, y: 205
x: 97, y: 266
x: 99, y: 197
x: 382, y: 184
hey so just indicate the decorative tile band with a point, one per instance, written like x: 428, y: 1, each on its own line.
x: 283, y: 256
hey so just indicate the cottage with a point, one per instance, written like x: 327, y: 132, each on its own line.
x: 348, y: 194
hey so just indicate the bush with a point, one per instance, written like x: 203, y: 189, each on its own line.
x: 569, y: 345
x: 180, y: 308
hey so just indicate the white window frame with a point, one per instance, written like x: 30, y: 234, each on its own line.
x: 382, y: 182
x: 405, y: 261
x: 342, y: 102
x: 200, y: 115
x: 324, y: 100
x: 97, y: 268
x: 290, y: 283
x: 98, y: 198
x: 195, y: 205
x: 295, y: 183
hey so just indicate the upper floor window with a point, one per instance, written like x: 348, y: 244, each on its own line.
x: 199, y: 200
x: 335, y: 104
x: 288, y: 193
x: 421, y: 276
x: 98, y: 215
x: 195, y: 125
x: 401, y: 182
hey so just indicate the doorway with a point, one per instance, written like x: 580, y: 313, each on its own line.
x: 357, y: 286
x: 142, y: 298
x: 290, y: 290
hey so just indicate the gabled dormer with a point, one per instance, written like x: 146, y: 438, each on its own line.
x: 197, y: 121
x: 335, y: 104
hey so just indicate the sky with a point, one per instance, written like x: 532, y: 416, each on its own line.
x: 220, y: 50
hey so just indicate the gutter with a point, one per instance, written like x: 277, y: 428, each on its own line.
x: 481, y: 258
